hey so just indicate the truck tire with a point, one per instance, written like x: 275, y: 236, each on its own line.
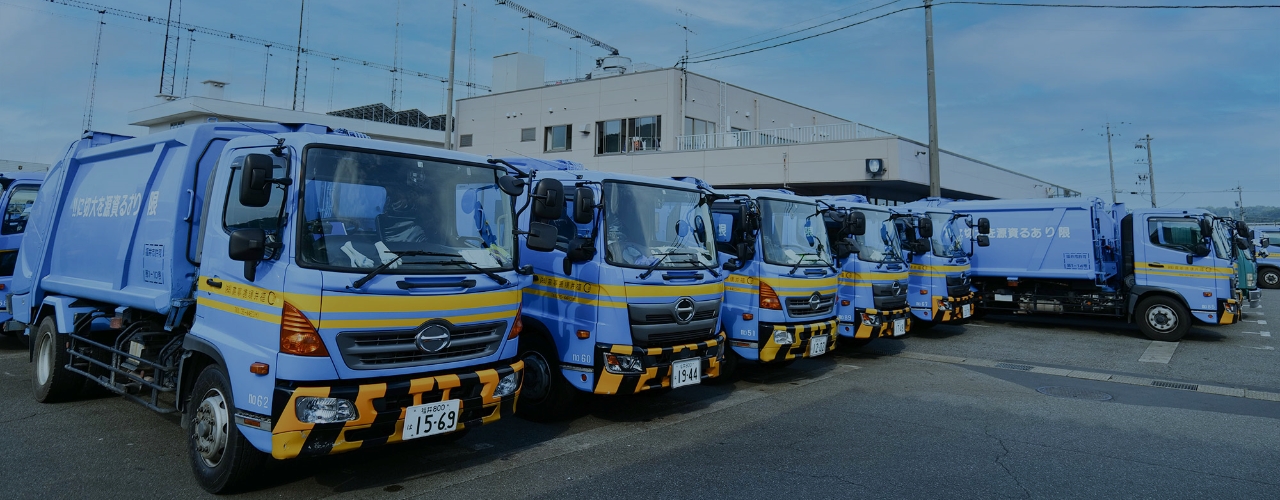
x: 546, y: 395
x: 221, y: 458
x: 50, y: 378
x: 1269, y: 278
x: 1163, y: 318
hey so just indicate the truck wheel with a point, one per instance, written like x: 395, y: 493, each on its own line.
x: 546, y: 395
x: 50, y: 378
x: 221, y: 458
x: 1269, y: 278
x: 1163, y: 318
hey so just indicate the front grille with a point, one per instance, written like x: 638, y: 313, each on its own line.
x: 380, y: 349
x: 887, y: 297
x: 803, y: 306
x: 655, y: 325
x: 958, y: 291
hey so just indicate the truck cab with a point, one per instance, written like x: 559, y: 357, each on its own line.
x: 19, y: 195
x: 1268, y: 254
x: 780, y: 295
x: 874, y: 276
x: 938, y: 242
x: 1186, y: 254
x: 290, y: 290
x: 629, y: 299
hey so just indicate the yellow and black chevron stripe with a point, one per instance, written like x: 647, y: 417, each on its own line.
x: 1228, y: 311
x: 657, y: 363
x: 770, y: 351
x: 885, y: 328
x: 941, y: 315
x: 381, y: 408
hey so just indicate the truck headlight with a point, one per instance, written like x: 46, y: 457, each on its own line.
x: 946, y: 305
x: 313, y: 410
x: 507, y: 386
x: 622, y: 363
x: 870, y: 320
x: 782, y: 337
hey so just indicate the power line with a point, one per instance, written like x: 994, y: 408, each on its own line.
x: 959, y: 2
x: 797, y: 23
x: 784, y: 35
x: 253, y: 40
x: 551, y: 23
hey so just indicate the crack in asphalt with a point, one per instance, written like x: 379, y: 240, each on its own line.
x: 999, y: 461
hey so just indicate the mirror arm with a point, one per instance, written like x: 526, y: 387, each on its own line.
x: 499, y: 161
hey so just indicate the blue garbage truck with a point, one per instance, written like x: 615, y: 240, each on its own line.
x: 19, y: 194
x: 780, y: 295
x: 938, y: 243
x: 1159, y: 268
x: 629, y: 299
x: 290, y: 290
x: 1268, y: 254
x: 874, y: 276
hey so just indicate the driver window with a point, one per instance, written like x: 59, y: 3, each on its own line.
x: 1175, y: 234
x: 237, y: 216
x: 18, y: 210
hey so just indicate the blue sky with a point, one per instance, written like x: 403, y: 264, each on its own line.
x: 1023, y: 88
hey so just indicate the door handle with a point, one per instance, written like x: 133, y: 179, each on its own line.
x: 212, y: 283
x: 1153, y: 264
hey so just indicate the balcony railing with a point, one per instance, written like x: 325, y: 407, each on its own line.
x: 779, y: 136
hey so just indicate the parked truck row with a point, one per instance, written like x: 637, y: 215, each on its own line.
x: 293, y: 290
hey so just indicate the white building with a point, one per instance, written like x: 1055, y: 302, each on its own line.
x: 22, y: 166
x: 725, y: 134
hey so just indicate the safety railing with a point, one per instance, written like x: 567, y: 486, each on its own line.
x: 779, y: 136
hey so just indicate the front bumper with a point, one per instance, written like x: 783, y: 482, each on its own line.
x: 1228, y: 311
x: 956, y: 310
x: 381, y: 407
x: 656, y: 362
x: 883, y: 327
x: 802, y: 334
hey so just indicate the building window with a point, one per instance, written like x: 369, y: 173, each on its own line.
x: 173, y: 125
x: 528, y: 134
x: 464, y: 141
x: 557, y: 138
x: 629, y: 134
x: 694, y: 126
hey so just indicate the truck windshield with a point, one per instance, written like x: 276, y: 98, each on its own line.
x: 361, y: 209
x: 948, y: 235
x: 881, y: 242
x: 793, y: 234
x: 647, y: 224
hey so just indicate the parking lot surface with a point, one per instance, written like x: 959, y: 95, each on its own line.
x: 1001, y: 407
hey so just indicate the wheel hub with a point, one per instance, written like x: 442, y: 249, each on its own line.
x: 537, y: 376
x: 1271, y: 278
x: 210, y: 428
x: 1162, y: 318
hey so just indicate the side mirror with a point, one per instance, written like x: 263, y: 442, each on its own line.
x: 984, y: 240
x: 984, y: 226
x: 843, y: 249
x: 1264, y: 242
x: 541, y: 237
x: 1242, y: 243
x: 1206, y: 227
x: 548, y: 199
x: 1200, y: 250
x: 580, y: 250
x: 584, y: 205
x: 249, y: 246
x: 511, y: 185
x: 731, y: 265
x: 1242, y: 228
x: 925, y: 226
x: 746, y: 251
x: 857, y: 223
x: 255, y: 180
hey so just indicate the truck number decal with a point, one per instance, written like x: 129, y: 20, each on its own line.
x: 747, y: 333
x: 846, y: 318
x: 582, y: 359
x: 259, y: 401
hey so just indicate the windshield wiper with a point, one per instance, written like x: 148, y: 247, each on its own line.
x: 800, y: 261
x: 463, y: 262
x: 654, y: 265
x: 693, y: 259
x: 383, y: 267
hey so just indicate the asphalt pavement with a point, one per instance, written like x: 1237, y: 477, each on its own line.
x: 1002, y: 407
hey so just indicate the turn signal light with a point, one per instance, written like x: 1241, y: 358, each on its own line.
x: 259, y: 368
x: 584, y: 334
x: 298, y: 336
x: 924, y: 291
x: 516, y: 326
x: 769, y: 298
x: 748, y: 316
x: 1207, y: 294
x: 844, y: 303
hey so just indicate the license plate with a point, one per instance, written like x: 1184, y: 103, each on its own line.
x: 966, y: 310
x: 686, y: 372
x: 899, y: 327
x: 430, y: 419
x: 818, y: 346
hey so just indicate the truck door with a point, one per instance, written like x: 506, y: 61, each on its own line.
x: 1163, y: 261
x: 231, y: 310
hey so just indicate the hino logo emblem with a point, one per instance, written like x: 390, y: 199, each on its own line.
x: 432, y: 338
x: 815, y: 301
x: 684, y: 310
x: 897, y: 288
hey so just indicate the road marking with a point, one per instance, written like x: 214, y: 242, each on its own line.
x: 1263, y: 348
x: 977, y: 325
x: 1264, y: 334
x: 1260, y: 322
x: 1159, y: 352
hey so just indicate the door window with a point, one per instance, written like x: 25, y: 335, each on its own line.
x: 237, y: 216
x: 18, y: 209
x: 1176, y: 234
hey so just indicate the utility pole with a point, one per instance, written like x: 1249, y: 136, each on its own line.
x: 1151, y: 171
x: 448, y: 113
x: 935, y: 175
x: 1112, y: 163
x: 1240, y: 200
x: 297, y: 62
